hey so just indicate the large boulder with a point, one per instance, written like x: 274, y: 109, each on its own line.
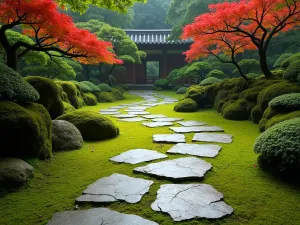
x: 65, y: 136
x: 186, y: 105
x: 105, y: 97
x: 73, y: 93
x: 25, y: 131
x: 14, y: 172
x: 89, y: 99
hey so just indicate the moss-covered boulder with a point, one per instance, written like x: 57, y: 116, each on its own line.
x: 256, y: 114
x: 14, y: 88
x: 104, y: 87
x: 68, y: 107
x: 217, y: 74
x: 211, y: 92
x: 25, y: 131
x: 181, y: 90
x: 106, y: 97
x: 50, y: 95
x: 73, y: 93
x: 279, y: 146
x: 117, y: 94
x: 92, y: 125
x: 94, y: 88
x: 186, y: 105
x: 238, y: 110
x: 197, y: 93
x: 89, y: 99
x: 209, y: 81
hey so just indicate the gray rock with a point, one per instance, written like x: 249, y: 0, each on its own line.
x: 97, y: 216
x: 65, y: 136
x: 116, y: 187
x: 122, y: 116
x: 157, y: 124
x: 167, y: 119
x: 196, y: 129
x: 196, y: 150
x: 108, y: 110
x: 138, y: 113
x: 191, y: 123
x: 14, y: 172
x: 137, y: 108
x: 155, y: 116
x: 138, y: 119
x: 117, y: 107
x: 137, y: 156
x: 178, y: 169
x: 110, y: 113
x: 169, y: 138
x: 208, y: 137
x: 150, y: 104
x: 134, y: 110
x: 188, y: 201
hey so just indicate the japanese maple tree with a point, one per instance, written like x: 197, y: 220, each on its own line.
x: 52, y: 31
x: 255, y: 21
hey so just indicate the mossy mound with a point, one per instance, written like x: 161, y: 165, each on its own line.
x: 212, y: 91
x: 238, y: 110
x: 68, y: 107
x: 181, y: 90
x: 281, y: 117
x: 14, y: 88
x: 95, y: 81
x: 279, y: 146
x: 73, y: 93
x: 124, y: 86
x: 217, y: 74
x: 25, y: 131
x: 235, y: 85
x: 92, y: 86
x: 117, y: 94
x: 83, y: 87
x: 256, y: 114
x: 63, y: 95
x: 286, y: 103
x: 50, y: 95
x: 104, y: 87
x: 292, y: 72
x: 105, y: 97
x: 120, y: 88
x: 186, y: 105
x: 197, y: 93
x: 92, y: 125
x: 285, y: 63
x: 89, y: 99
x: 209, y: 81
x: 253, y: 75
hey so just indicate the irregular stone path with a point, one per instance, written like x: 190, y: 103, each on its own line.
x: 180, y: 201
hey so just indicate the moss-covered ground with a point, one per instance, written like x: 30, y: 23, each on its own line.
x: 257, y: 197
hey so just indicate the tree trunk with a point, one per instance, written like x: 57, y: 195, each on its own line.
x: 263, y: 64
x: 240, y: 71
x: 11, y: 59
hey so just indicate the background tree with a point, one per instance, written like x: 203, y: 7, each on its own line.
x: 197, y: 71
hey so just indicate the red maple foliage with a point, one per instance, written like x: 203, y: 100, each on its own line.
x: 52, y: 31
x: 255, y: 21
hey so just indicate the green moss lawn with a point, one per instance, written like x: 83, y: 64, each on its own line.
x: 257, y: 198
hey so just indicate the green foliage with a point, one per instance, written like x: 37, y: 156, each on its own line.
x: 95, y: 81
x: 281, y: 117
x: 92, y: 86
x: 253, y: 75
x: 278, y: 73
x: 186, y: 105
x: 256, y: 114
x: 286, y: 103
x: 217, y: 74
x: 89, y: 99
x: 285, y: 63
x: 117, y: 94
x: 92, y: 125
x: 73, y: 93
x: 152, y: 68
x: 280, y: 145
x: 68, y: 107
x: 238, y: 110
x: 83, y: 87
x: 181, y: 90
x: 249, y: 66
x: 197, y: 70
x: 14, y: 88
x: 209, y: 81
x: 226, y: 68
x: 162, y: 83
x: 177, y: 75
x: 104, y: 87
x: 211, y: 91
x: 282, y: 57
x: 50, y: 95
x: 25, y: 132
x: 292, y: 72
x: 124, y: 86
x: 121, y: 89
x: 197, y: 93
x: 106, y: 97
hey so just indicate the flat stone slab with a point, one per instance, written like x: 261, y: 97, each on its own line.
x: 137, y: 108
x: 134, y: 110
x: 136, y: 156
x: 116, y: 187
x: 97, y: 216
x: 177, y: 169
x: 150, y: 104
x: 169, y: 138
x: 196, y: 129
x: 110, y: 113
x: 117, y: 107
x: 188, y: 201
x: 108, y: 110
x: 166, y: 119
x: 138, y: 113
x: 157, y: 124
x: 138, y: 119
x: 154, y: 116
x: 191, y: 123
x: 206, y: 150
x: 123, y: 116
x: 208, y: 137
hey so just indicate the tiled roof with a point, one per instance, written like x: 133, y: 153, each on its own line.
x: 153, y: 37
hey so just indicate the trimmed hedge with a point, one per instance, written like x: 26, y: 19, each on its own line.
x: 279, y: 146
x: 89, y: 99
x: 117, y: 94
x: 14, y: 88
x: 105, y: 97
x: 281, y: 59
x: 92, y: 125
x: 216, y: 74
x: 209, y: 81
x: 73, y: 93
x: 162, y: 83
x: 83, y: 87
x: 104, y: 87
x: 181, y: 90
x: 281, y: 117
x: 286, y: 103
x: 186, y: 105
x: 292, y: 72
x: 92, y: 86
x: 285, y: 64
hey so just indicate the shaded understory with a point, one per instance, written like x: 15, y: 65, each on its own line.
x: 257, y: 198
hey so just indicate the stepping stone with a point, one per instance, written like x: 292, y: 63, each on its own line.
x: 157, y: 124
x: 138, y: 108
x: 167, y: 119
x: 138, y: 113
x: 196, y: 129
x: 97, y: 216
x: 110, y: 113
x: 117, y: 107
x: 108, y: 110
x: 134, y: 110
x: 123, y: 116
x: 208, y: 137
x: 196, y: 150
x: 191, y: 123
x: 138, y: 119
x: 155, y: 116
x: 150, y: 105
x: 188, y: 201
x: 137, y: 156
x: 169, y: 138
x: 177, y: 169
x: 116, y: 187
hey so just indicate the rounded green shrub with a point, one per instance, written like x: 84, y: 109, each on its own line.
x: 253, y: 75
x: 122, y: 90
x: 68, y: 107
x: 235, y: 85
x: 197, y: 93
x: 181, y: 90
x: 95, y: 81
x: 105, y: 97
x: 249, y: 66
x: 292, y: 72
x: 279, y: 146
x: 25, y: 131
x: 104, y: 87
x: 256, y: 114
x: 209, y: 81
x: 14, y: 88
x: 73, y: 93
x: 211, y: 91
x: 89, y: 99
x: 50, y: 95
x: 124, y: 86
x: 278, y: 73
x: 238, y: 110
x: 283, y: 57
x: 92, y: 125
x: 217, y: 74
x: 92, y: 86
x: 281, y: 117
x: 83, y: 87
x: 186, y: 105
x: 285, y: 63
x: 286, y: 103
x: 117, y: 94
x: 162, y: 83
